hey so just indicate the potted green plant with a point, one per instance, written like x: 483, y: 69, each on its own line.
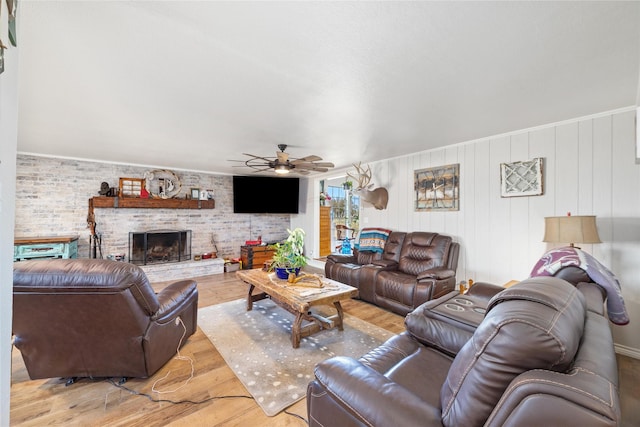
x: 288, y: 256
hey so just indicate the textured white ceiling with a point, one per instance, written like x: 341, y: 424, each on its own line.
x: 191, y: 85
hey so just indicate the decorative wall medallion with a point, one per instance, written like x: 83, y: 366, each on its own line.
x: 521, y: 178
x: 162, y: 183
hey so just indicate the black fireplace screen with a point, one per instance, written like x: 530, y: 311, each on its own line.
x: 159, y: 246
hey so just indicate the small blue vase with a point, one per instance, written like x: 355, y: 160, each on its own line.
x: 283, y: 273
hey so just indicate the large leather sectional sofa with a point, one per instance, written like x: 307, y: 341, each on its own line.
x: 413, y: 268
x: 542, y: 355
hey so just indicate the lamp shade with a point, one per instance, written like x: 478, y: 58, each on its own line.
x: 570, y: 229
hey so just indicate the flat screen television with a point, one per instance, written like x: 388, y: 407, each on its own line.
x: 263, y: 194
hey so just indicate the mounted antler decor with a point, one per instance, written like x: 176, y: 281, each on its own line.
x: 377, y: 197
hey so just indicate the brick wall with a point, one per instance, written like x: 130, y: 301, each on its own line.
x: 52, y: 199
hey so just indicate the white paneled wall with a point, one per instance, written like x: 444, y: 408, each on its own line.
x: 589, y: 169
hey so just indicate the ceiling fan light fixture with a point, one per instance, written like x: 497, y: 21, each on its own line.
x: 283, y: 164
x: 281, y: 169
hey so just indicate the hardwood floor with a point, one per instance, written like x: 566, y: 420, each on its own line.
x: 99, y: 403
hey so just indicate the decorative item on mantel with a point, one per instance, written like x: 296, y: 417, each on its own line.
x: 130, y: 187
x: 107, y: 190
x: 162, y: 184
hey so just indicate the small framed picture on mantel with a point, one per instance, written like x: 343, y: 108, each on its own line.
x: 195, y: 193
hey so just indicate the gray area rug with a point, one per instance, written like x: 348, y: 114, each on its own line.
x: 257, y: 347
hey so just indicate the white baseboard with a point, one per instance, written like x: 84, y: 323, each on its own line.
x: 627, y: 351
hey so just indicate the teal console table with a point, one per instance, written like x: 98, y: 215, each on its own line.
x: 45, y: 247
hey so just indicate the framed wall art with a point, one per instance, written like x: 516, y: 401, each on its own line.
x: 521, y: 178
x: 437, y: 189
x: 130, y: 187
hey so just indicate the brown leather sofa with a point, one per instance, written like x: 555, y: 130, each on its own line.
x: 97, y: 318
x: 414, y: 268
x: 541, y: 355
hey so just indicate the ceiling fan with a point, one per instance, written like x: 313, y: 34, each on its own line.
x: 283, y: 164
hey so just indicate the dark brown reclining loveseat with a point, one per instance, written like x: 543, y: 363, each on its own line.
x: 542, y: 355
x: 413, y: 268
x: 97, y: 318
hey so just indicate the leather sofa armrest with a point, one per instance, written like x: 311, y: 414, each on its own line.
x: 174, y: 296
x: 540, y: 397
x: 594, y: 295
x: 484, y: 291
x: 341, y: 259
x: 436, y: 273
x: 378, y: 401
x: 432, y: 329
x: 386, y: 264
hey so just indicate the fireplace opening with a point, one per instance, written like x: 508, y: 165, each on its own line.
x: 159, y: 246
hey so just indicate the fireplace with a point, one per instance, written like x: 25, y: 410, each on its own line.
x: 159, y: 246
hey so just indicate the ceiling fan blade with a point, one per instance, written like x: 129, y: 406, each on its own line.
x: 324, y: 164
x: 312, y: 158
x: 305, y: 165
x: 266, y: 168
x: 314, y: 165
x: 266, y: 159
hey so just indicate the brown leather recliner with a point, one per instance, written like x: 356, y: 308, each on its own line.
x: 538, y: 357
x: 97, y: 318
x: 414, y: 268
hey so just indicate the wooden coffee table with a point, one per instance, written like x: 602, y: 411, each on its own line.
x: 298, y: 300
